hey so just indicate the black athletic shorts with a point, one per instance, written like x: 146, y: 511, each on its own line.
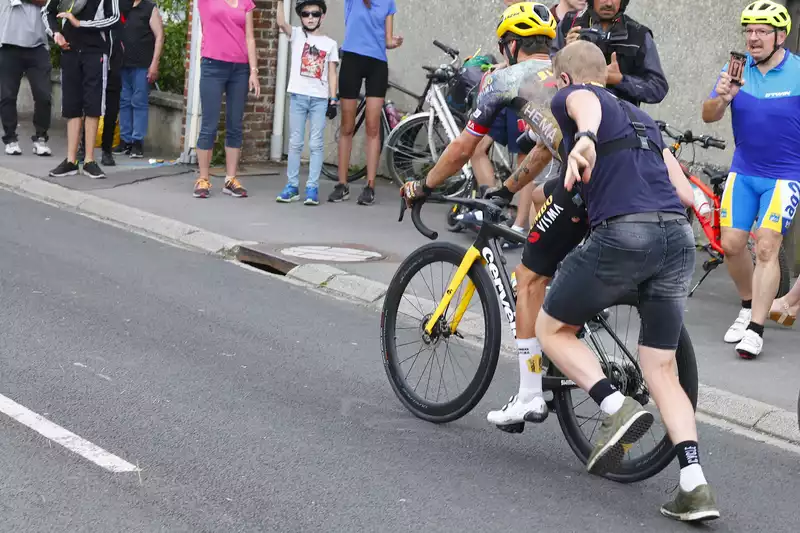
x: 553, y: 233
x: 83, y: 83
x: 357, y: 68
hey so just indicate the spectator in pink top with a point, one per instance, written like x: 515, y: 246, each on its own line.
x: 229, y: 66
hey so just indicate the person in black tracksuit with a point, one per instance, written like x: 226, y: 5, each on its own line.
x: 84, y: 38
x: 114, y: 85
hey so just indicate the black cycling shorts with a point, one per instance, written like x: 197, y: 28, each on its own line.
x: 357, y: 68
x: 83, y: 83
x: 553, y: 233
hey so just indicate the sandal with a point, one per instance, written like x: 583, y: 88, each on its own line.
x: 785, y: 317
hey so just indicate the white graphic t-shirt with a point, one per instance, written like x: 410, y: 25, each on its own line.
x: 311, y: 58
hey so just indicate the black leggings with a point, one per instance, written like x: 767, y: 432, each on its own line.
x: 357, y: 68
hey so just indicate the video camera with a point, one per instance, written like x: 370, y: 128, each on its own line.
x: 597, y: 37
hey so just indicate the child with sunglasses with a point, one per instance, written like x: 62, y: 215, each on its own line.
x: 312, y: 94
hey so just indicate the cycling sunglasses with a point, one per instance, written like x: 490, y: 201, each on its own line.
x: 313, y: 14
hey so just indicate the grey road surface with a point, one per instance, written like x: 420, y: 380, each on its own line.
x: 253, y: 405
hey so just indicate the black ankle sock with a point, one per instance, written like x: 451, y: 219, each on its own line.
x: 687, y: 453
x: 602, y: 390
x: 757, y: 328
x: 747, y: 304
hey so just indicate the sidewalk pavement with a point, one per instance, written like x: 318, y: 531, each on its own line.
x: 258, y: 229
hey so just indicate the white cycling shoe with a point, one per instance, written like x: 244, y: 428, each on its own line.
x: 515, y: 413
x: 736, y: 332
x: 750, y: 346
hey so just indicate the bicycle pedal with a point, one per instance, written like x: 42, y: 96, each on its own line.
x: 519, y: 427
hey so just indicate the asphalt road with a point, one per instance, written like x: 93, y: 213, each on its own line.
x: 253, y: 405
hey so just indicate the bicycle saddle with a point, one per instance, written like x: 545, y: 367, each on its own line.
x: 717, y: 176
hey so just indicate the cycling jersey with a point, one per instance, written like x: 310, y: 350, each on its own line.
x: 526, y: 87
x: 766, y: 121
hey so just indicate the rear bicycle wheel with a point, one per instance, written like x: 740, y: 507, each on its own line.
x: 574, y: 405
x: 448, y: 383
x: 358, y: 158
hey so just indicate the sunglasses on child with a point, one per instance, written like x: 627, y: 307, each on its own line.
x: 313, y: 14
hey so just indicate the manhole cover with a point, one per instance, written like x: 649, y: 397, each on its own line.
x: 332, y: 254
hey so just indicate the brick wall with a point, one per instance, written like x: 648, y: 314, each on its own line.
x: 258, y: 111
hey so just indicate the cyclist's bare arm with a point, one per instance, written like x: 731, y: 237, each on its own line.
x: 455, y: 156
x: 678, y: 179
x: 533, y: 164
x: 714, y: 109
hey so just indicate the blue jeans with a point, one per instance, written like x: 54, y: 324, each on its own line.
x: 133, y: 105
x: 217, y: 77
x: 302, y: 108
x: 628, y: 257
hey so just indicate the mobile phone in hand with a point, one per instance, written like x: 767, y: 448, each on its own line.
x: 736, y: 67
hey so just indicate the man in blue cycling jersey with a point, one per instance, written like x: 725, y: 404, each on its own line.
x: 764, y: 181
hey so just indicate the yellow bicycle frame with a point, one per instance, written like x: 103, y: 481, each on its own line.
x: 466, y: 263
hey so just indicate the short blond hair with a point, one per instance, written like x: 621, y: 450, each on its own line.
x: 583, y: 61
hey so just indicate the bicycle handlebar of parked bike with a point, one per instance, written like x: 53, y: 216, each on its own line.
x: 687, y: 137
x: 452, y: 52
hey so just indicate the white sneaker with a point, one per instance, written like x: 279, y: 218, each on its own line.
x: 40, y: 147
x: 517, y: 412
x: 13, y: 149
x: 735, y: 333
x: 751, y: 345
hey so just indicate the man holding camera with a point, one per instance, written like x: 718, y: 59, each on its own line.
x: 634, y: 67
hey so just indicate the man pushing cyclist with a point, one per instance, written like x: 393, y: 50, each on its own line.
x: 529, y: 87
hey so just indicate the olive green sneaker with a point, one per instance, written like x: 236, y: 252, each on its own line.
x: 694, y: 506
x: 617, y: 433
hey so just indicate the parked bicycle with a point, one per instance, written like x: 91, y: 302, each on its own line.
x: 389, y: 119
x: 707, y: 205
x: 446, y: 321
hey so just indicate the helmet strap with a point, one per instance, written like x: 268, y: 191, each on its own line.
x: 512, y: 58
x: 775, y: 48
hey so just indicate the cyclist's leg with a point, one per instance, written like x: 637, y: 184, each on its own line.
x: 481, y: 165
x: 662, y: 300
x: 545, y: 249
x: 774, y: 218
x: 737, y: 214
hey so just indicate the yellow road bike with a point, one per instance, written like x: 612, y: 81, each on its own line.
x: 462, y: 335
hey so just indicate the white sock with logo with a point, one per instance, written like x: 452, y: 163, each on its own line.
x: 530, y: 369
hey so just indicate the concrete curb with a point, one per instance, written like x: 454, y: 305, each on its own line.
x: 739, y: 410
x: 163, y: 227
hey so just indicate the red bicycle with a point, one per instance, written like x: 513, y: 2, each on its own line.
x: 706, y: 207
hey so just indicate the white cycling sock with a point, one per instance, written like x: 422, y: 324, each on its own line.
x: 530, y: 369
x: 692, y: 477
x: 612, y: 403
x: 519, y: 229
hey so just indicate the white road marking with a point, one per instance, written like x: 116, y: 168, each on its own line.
x: 65, y: 438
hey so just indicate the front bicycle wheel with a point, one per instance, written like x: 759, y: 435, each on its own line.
x: 579, y: 416
x: 451, y: 379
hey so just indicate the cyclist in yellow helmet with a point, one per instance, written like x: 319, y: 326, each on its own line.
x: 764, y: 181
x: 527, y: 86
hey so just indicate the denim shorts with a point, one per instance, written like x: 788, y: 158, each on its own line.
x: 628, y: 258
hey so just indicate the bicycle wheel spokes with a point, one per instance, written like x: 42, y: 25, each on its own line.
x: 615, y: 343
x: 437, y: 367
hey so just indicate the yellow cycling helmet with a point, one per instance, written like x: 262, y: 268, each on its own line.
x: 768, y: 12
x: 527, y: 19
